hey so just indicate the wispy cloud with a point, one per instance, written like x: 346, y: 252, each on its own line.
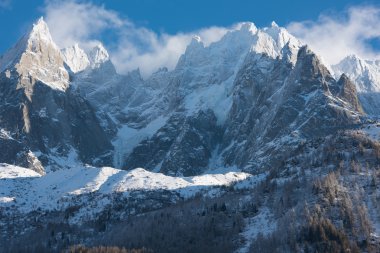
x: 337, y: 35
x: 333, y: 36
x: 5, y: 4
x: 132, y: 46
x: 72, y: 22
x: 159, y: 49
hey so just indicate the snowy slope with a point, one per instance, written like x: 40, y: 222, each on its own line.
x: 12, y: 172
x: 28, y: 191
x: 372, y: 130
x: 127, y: 138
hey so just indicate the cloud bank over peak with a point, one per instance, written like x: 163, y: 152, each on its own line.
x: 72, y: 22
x: 132, y: 47
x: 333, y: 35
x: 336, y: 35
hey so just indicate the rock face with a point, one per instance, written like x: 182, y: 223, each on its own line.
x: 44, y: 115
x: 236, y: 103
x: 348, y: 92
x: 184, y: 145
x: 276, y: 109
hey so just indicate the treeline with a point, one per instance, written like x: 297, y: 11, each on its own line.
x: 197, y: 226
x: 101, y: 249
x: 323, y: 206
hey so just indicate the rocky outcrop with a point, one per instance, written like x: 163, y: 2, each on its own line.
x: 348, y: 93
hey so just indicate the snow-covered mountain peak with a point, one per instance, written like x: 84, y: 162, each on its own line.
x: 352, y: 65
x: 274, y: 41
x: 247, y: 27
x: 365, y: 73
x: 40, y: 32
x: 195, y: 45
x: 75, y: 58
x: 37, y: 57
x: 196, y: 39
x: 274, y: 24
x: 366, y: 76
x: 280, y: 34
x: 98, y: 55
x: 233, y: 43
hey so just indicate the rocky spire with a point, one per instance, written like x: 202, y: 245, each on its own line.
x: 37, y: 57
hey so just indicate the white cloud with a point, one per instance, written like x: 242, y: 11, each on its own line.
x: 131, y: 47
x: 71, y: 22
x: 4, y: 4
x: 336, y: 36
x: 159, y: 49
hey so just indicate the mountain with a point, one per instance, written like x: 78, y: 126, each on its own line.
x: 209, y: 110
x: 249, y: 144
x: 47, y: 120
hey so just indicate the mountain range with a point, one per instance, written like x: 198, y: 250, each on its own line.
x: 251, y: 140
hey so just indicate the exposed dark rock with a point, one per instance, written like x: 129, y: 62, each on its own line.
x: 348, y: 93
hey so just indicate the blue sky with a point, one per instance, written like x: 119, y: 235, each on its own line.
x: 162, y: 20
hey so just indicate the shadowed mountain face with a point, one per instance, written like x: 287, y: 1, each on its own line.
x: 278, y: 109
